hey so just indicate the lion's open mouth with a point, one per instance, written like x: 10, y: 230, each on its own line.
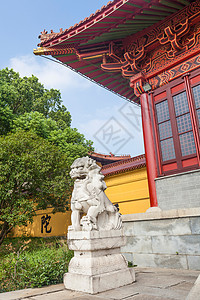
x: 78, y: 175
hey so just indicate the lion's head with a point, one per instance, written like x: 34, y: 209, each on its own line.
x: 82, y: 166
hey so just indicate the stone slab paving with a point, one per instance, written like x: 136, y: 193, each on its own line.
x: 195, y: 291
x: 151, y: 284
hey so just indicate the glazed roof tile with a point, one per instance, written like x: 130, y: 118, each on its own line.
x: 124, y: 165
x: 117, y: 157
x: 106, y: 159
x: 151, y: 11
x: 45, y: 37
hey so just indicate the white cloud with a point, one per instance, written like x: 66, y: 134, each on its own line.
x: 93, y: 127
x: 51, y: 74
x: 92, y: 108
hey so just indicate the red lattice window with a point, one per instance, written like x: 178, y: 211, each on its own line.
x: 165, y: 131
x: 184, y: 124
x: 196, y: 93
x: 177, y: 121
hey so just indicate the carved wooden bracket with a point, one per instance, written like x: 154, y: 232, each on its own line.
x: 173, y: 35
x: 154, y: 53
x: 128, y: 64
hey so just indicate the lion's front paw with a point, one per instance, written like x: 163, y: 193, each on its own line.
x: 88, y: 223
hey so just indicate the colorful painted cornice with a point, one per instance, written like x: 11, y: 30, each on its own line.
x: 106, y: 41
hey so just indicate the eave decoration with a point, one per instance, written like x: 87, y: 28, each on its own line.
x: 148, y: 55
x: 139, y: 42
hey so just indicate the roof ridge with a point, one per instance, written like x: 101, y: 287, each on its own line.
x: 110, y: 155
x: 125, y: 166
x: 45, y: 36
x: 124, y: 161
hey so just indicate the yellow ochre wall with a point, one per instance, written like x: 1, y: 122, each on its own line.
x: 129, y: 190
x: 58, y: 225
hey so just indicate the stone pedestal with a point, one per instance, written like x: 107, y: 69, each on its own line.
x: 98, y: 264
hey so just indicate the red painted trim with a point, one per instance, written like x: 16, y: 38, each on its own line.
x: 88, y: 23
x: 186, y: 169
x: 160, y: 96
x: 177, y: 88
x: 195, y: 80
x: 190, y: 162
x: 156, y: 136
x: 184, y: 163
x: 193, y: 116
x: 95, y: 155
x: 149, y: 148
x: 175, y: 134
x: 170, y: 167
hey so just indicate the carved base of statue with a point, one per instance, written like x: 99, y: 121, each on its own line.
x: 98, y: 264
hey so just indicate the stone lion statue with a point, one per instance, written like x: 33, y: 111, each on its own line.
x: 88, y: 197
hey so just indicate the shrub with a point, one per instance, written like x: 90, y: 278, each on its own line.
x: 29, y: 268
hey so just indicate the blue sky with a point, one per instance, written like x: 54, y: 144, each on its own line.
x: 112, y: 123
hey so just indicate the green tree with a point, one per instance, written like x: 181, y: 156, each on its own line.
x: 35, y: 158
x: 68, y: 139
x: 6, y: 118
x: 25, y: 104
x: 71, y: 142
x: 36, y: 122
x: 34, y: 174
x: 23, y: 95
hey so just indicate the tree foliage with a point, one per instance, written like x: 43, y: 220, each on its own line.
x: 23, y: 95
x: 33, y: 175
x: 36, y: 122
x: 6, y: 117
x: 37, y: 147
x: 68, y: 139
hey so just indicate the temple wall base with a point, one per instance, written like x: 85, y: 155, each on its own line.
x: 179, y: 190
x: 163, y: 239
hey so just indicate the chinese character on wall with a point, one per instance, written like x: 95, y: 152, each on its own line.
x: 45, y: 223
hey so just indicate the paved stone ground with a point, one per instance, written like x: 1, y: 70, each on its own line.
x: 151, y: 284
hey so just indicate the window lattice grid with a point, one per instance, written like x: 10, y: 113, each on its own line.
x: 181, y: 104
x: 187, y: 143
x: 165, y: 130
x: 196, y: 92
x: 162, y: 111
x: 198, y: 114
x: 167, y: 148
x: 184, y: 123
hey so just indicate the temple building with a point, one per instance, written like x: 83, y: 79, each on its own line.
x: 147, y: 52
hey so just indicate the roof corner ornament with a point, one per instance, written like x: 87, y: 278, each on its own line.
x: 43, y: 35
x: 44, y: 32
x: 39, y: 51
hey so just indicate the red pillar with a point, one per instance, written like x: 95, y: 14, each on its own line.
x: 149, y: 148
